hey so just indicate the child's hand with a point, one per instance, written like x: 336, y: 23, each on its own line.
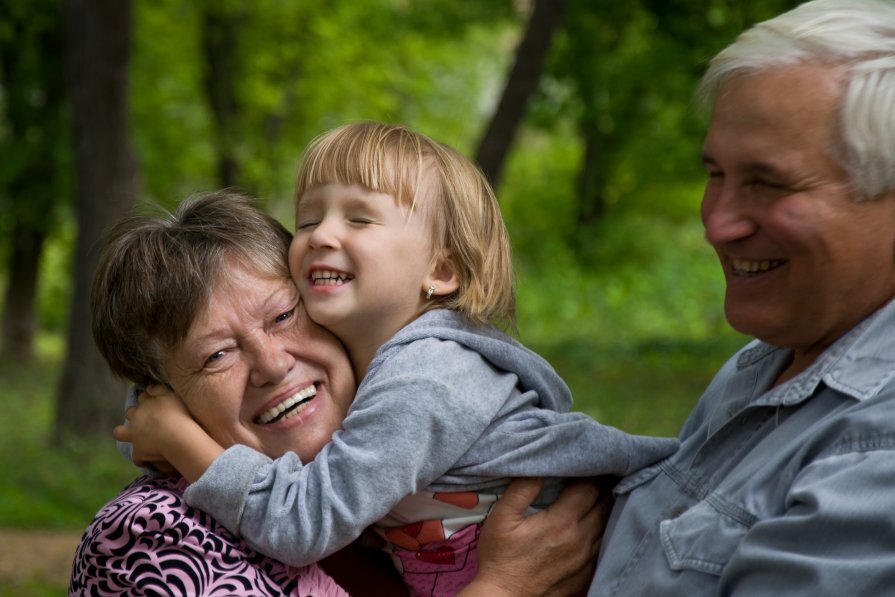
x: 164, y: 434
x: 154, y: 426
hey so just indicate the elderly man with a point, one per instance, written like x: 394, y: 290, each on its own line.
x: 785, y: 479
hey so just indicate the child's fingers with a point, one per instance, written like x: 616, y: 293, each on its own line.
x: 155, y: 390
x: 122, y: 433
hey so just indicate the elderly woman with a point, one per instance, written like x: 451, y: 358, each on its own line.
x: 203, y: 302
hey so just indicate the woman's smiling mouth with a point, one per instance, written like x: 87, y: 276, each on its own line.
x: 289, y: 407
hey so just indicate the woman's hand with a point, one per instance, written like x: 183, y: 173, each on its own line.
x: 550, y: 552
x: 165, y: 435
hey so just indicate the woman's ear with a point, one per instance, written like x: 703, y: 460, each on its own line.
x: 442, y: 278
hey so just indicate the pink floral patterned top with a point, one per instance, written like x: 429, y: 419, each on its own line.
x: 148, y: 541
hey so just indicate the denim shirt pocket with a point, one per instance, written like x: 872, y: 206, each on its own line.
x: 704, y: 537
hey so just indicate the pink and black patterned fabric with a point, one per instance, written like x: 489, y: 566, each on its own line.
x: 148, y: 541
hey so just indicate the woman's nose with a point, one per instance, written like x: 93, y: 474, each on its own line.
x: 725, y: 218
x: 272, y: 362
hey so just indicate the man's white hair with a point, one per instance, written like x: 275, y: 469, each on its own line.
x: 857, y: 36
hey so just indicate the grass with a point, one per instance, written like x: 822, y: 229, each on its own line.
x: 61, y: 487
x: 44, y: 487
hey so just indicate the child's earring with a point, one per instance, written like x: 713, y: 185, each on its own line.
x: 430, y: 292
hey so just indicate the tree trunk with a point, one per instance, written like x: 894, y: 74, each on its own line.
x: 18, y: 311
x: 219, y: 46
x: 522, y: 82
x: 90, y: 399
x: 35, y: 118
x: 592, y: 184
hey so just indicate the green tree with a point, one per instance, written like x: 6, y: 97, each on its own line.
x: 522, y: 82
x: 98, y: 50
x: 624, y: 73
x: 33, y: 173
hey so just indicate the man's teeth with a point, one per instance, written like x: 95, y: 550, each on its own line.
x: 329, y: 278
x: 289, y: 407
x: 741, y: 266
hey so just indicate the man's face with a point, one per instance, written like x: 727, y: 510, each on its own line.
x: 803, y: 259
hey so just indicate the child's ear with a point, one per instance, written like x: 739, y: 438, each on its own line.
x: 442, y: 275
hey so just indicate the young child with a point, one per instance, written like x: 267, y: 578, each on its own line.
x: 400, y: 250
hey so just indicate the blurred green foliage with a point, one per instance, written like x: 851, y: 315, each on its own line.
x: 627, y: 306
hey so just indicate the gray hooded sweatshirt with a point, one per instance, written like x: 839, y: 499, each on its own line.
x: 444, y: 406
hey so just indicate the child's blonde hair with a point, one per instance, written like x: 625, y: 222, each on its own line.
x: 468, y: 226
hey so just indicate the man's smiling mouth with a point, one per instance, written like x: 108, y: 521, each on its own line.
x: 289, y: 407
x: 329, y: 278
x: 744, y: 267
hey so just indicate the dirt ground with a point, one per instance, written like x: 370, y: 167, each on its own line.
x: 36, y: 555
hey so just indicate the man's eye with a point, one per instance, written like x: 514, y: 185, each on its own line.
x: 766, y: 185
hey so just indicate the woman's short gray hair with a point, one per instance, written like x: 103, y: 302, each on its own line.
x: 156, y: 272
x: 859, y: 37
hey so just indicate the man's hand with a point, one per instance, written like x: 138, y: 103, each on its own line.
x: 551, y: 552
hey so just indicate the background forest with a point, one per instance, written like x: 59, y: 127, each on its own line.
x: 580, y: 111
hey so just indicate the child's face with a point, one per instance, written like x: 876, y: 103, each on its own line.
x: 361, y: 262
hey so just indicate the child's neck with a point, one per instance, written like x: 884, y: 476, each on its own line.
x: 362, y: 348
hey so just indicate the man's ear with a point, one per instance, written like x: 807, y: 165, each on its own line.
x: 442, y: 276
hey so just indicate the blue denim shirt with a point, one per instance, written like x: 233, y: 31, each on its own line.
x: 774, y: 491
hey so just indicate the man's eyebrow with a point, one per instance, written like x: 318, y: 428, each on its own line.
x: 753, y: 168
x: 764, y: 169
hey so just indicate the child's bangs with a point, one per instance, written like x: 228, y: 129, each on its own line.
x: 382, y: 161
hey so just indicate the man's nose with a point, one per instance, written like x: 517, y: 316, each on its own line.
x: 726, y: 217
x: 272, y: 362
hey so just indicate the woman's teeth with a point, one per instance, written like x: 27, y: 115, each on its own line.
x: 289, y: 407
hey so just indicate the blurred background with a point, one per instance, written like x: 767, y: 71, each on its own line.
x: 580, y: 111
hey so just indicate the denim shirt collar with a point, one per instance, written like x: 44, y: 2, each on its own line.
x: 858, y: 364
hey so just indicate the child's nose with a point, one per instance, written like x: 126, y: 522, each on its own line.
x: 325, y: 234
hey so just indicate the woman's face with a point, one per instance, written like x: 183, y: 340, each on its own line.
x: 255, y: 370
